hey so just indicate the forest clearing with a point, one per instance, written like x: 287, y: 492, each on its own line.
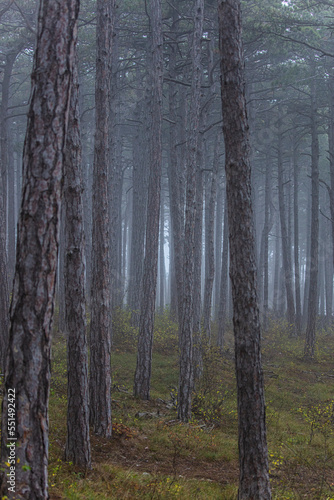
x: 153, y: 456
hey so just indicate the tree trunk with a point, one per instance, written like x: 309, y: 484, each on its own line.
x: 100, y: 326
x: 186, y: 326
x: 78, y: 442
x: 223, y: 297
x: 197, y: 300
x: 175, y: 179
x: 4, y: 293
x: 218, y: 244
x: 331, y: 164
x: 314, y: 255
x: 266, y: 229
x: 28, y: 363
x: 296, y: 239
x: 253, y: 454
x: 162, y: 256
x: 139, y: 202
x: 4, y: 153
x: 209, y: 248
x: 286, y: 249
x: 146, y: 323
x: 115, y: 177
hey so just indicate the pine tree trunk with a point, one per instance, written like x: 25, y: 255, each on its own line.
x: 210, y: 249
x: 175, y: 180
x: 100, y: 325
x: 28, y: 361
x: 139, y: 203
x: 253, y: 454
x: 146, y: 323
x: 78, y: 442
x: 4, y: 293
x: 296, y: 239
x: 286, y: 249
x: 314, y: 254
x: 218, y: 245
x: 162, y: 256
x: 223, y: 296
x: 186, y: 327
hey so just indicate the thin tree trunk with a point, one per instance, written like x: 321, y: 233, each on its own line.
x: 276, y: 290
x: 314, y: 255
x: 266, y: 230
x: 28, y: 362
x: 223, y: 297
x: 162, y: 256
x: 218, y: 245
x: 286, y: 249
x: 210, y: 250
x: 146, y: 323
x: 253, y: 453
x: 139, y: 206
x: 296, y: 239
x: 197, y: 300
x: 77, y: 448
x: 4, y: 293
x: 100, y: 325
x: 175, y: 186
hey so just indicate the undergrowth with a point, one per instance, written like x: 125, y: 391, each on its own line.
x: 153, y: 456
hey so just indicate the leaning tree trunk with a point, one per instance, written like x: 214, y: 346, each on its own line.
x: 27, y: 382
x: 253, y: 454
x: 146, y: 323
x: 100, y: 325
x: 186, y: 326
x: 78, y: 442
x: 312, y: 308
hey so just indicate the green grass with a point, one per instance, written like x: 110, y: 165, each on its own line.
x: 153, y: 456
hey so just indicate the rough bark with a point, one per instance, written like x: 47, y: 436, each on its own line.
x: 146, y: 323
x: 186, y: 326
x: 253, y: 454
x: 115, y: 177
x: 28, y: 361
x: 78, y: 441
x: 100, y: 326
x: 175, y: 179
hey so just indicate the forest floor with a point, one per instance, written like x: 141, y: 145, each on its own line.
x: 153, y: 456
